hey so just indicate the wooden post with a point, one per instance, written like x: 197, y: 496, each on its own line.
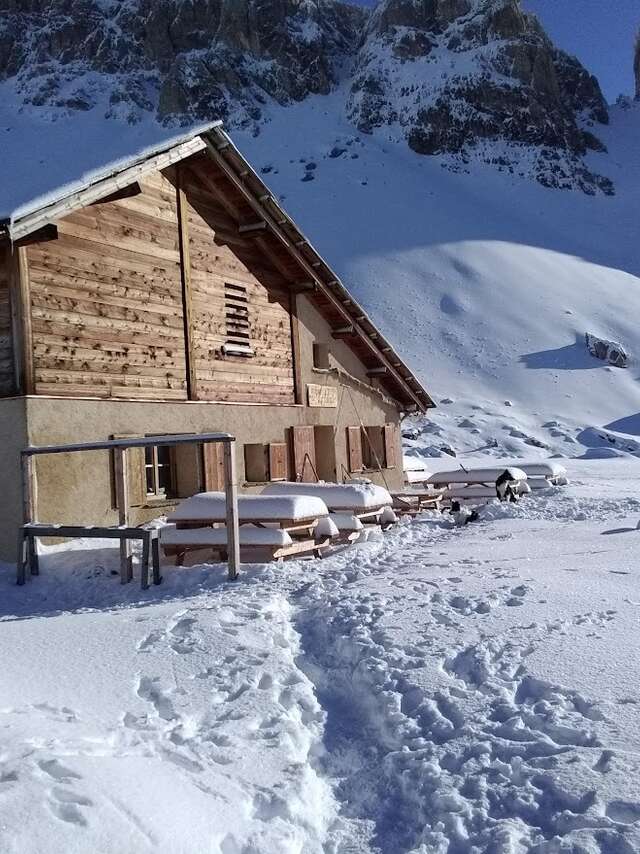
x: 185, y: 276
x: 29, y: 489
x: 231, y: 494
x: 29, y: 510
x: 144, y: 561
x: 20, y: 301
x: 122, y: 498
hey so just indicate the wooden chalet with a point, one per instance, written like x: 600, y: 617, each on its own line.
x: 172, y: 294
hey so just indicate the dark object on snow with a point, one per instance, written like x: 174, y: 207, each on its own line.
x: 608, y: 351
x: 462, y: 515
x: 506, y: 487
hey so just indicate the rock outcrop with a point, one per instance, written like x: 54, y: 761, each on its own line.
x: 189, y: 61
x: 454, y: 75
x: 460, y: 79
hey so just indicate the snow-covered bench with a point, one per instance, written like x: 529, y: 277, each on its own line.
x: 278, y: 526
x: 545, y: 473
x: 256, y: 544
x: 352, y: 505
x: 410, y: 503
x: 478, y: 484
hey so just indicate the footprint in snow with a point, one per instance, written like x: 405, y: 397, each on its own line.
x: 65, y: 805
x: 57, y: 771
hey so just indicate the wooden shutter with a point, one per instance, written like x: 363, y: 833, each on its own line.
x: 277, y: 461
x: 390, y: 446
x: 354, y: 448
x: 213, y: 459
x: 136, y: 473
x: 304, y: 453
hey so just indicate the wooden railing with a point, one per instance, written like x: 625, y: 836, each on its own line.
x: 119, y: 448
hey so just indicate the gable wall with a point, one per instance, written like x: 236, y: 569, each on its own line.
x: 268, y: 375
x: 106, y: 300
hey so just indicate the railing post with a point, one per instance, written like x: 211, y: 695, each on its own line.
x: 122, y: 500
x: 231, y: 494
x: 29, y: 511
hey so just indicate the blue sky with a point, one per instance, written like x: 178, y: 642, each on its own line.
x: 599, y: 32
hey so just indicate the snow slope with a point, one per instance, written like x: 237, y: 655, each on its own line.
x: 486, y: 281
x: 438, y: 690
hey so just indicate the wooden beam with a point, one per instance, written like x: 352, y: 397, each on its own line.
x: 128, y: 192
x: 295, y: 348
x: 298, y: 287
x: 343, y: 332
x: 47, y: 232
x: 377, y: 372
x: 20, y: 298
x: 185, y: 276
x: 252, y: 226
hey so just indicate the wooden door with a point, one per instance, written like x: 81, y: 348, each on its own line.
x: 390, y: 446
x: 303, y: 453
x: 277, y: 461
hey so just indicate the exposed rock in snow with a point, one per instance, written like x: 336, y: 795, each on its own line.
x: 457, y: 75
x: 608, y: 351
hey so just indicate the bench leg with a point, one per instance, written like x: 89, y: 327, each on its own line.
x: 155, y: 559
x: 34, y: 562
x: 144, y: 561
x: 21, y: 562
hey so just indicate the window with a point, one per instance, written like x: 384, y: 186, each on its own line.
x: 159, y: 472
x: 321, y: 356
x: 237, y: 328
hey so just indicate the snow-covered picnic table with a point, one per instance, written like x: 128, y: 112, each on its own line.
x: 486, y: 476
x: 270, y: 526
x: 352, y: 505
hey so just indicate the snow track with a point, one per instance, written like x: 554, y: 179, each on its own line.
x: 482, y: 758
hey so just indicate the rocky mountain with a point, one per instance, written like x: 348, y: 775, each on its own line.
x: 187, y: 61
x: 458, y: 74
x: 460, y: 79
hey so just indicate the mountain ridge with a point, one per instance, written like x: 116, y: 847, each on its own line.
x: 460, y: 79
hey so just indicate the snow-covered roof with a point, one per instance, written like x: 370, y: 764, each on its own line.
x: 50, y: 167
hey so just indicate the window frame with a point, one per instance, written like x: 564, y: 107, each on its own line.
x: 159, y: 492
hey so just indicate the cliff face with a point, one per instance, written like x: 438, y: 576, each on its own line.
x: 460, y: 79
x: 454, y: 75
x: 188, y: 61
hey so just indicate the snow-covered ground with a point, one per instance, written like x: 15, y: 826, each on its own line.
x: 437, y: 689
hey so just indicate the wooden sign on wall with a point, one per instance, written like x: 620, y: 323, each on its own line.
x: 322, y: 395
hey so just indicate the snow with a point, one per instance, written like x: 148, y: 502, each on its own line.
x: 474, y: 474
x: 249, y: 536
x: 212, y: 506
x: 358, y: 496
x: 437, y: 689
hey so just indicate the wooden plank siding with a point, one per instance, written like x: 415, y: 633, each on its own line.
x: 7, y: 370
x: 106, y: 300
x: 267, y: 376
